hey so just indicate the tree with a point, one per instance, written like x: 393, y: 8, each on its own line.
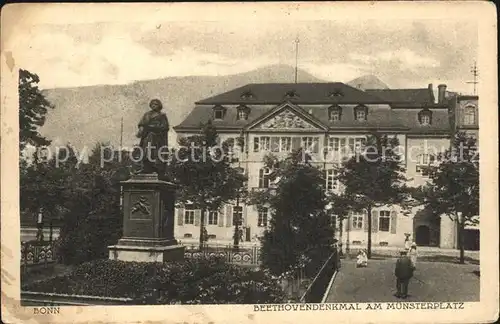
x: 453, y: 187
x: 33, y: 107
x: 202, y: 170
x: 299, y: 225
x: 374, y: 177
x: 340, y: 205
x: 93, y: 219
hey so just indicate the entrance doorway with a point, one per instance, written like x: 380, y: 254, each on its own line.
x: 422, y: 236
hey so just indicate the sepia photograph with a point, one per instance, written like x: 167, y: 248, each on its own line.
x: 273, y: 157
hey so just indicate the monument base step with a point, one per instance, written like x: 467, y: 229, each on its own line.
x: 146, y: 253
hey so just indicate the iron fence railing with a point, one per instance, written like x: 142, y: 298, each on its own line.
x: 37, y: 253
x: 318, y: 286
x: 249, y: 255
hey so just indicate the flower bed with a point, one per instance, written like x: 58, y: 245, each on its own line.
x: 197, y: 281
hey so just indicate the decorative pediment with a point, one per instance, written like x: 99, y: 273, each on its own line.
x: 286, y: 119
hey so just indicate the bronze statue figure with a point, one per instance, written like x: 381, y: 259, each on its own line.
x: 153, y: 132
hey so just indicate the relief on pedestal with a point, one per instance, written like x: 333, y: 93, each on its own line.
x: 286, y: 119
x: 141, y: 208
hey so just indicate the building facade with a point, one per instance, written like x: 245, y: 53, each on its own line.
x: 329, y: 120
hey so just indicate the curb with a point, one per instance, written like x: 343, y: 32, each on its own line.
x: 330, y: 284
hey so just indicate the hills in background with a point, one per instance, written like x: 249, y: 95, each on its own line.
x: 84, y: 116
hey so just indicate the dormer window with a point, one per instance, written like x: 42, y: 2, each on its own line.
x: 243, y: 112
x: 425, y: 120
x: 334, y: 113
x: 247, y: 95
x: 425, y: 117
x: 219, y: 112
x: 291, y: 94
x: 336, y: 94
x: 360, y: 113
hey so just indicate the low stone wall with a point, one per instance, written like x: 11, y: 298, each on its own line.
x: 30, y: 298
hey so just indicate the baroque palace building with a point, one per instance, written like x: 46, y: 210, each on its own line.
x: 329, y: 119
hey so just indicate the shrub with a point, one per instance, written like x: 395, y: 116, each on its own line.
x: 87, y: 238
x: 195, y: 281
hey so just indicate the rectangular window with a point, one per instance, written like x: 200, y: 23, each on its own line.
x: 357, y: 221
x: 343, y: 144
x: 285, y: 144
x: 311, y: 144
x: 262, y: 219
x: 275, y: 144
x: 424, y: 161
x: 352, y: 142
x: 261, y: 144
x: 189, y: 216
x: 331, y: 182
x: 264, y: 174
x: 469, y: 116
x: 333, y: 144
x: 237, y: 215
x: 213, y: 217
x: 384, y: 221
x: 359, y: 144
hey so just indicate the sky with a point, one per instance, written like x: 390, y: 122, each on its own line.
x: 402, y: 53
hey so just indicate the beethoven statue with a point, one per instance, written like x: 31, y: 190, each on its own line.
x: 153, y: 132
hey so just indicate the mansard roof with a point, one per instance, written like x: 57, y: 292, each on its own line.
x: 306, y: 93
x: 402, y: 96
x: 315, y: 99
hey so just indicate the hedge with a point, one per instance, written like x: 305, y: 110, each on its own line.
x: 196, y: 281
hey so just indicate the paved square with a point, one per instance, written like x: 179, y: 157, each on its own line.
x: 437, y: 282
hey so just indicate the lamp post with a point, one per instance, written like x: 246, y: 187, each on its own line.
x: 348, y: 230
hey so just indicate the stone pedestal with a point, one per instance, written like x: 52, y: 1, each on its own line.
x: 148, y: 222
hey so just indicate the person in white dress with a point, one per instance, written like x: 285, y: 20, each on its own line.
x: 413, y: 255
x: 362, y: 259
x: 407, y: 243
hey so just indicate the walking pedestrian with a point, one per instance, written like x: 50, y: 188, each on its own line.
x: 403, y: 272
x: 413, y: 255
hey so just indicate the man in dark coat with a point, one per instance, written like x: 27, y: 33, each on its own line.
x: 403, y: 272
x: 153, y: 132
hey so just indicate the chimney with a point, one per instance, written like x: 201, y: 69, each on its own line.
x: 441, y: 93
x: 431, y: 93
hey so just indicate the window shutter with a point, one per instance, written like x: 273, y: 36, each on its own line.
x: 229, y: 216
x: 220, y: 221
x: 365, y: 221
x: 197, y: 215
x: 205, y: 221
x: 394, y: 219
x: 180, y: 216
x: 374, y: 221
x: 245, y: 221
x: 296, y: 143
x: 256, y: 147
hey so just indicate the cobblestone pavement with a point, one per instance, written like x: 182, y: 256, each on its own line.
x: 433, y: 282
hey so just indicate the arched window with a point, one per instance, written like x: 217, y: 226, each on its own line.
x: 334, y: 113
x: 360, y: 113
x: 243, y: 112
x: 425, y: 117
x: 470, y: 115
